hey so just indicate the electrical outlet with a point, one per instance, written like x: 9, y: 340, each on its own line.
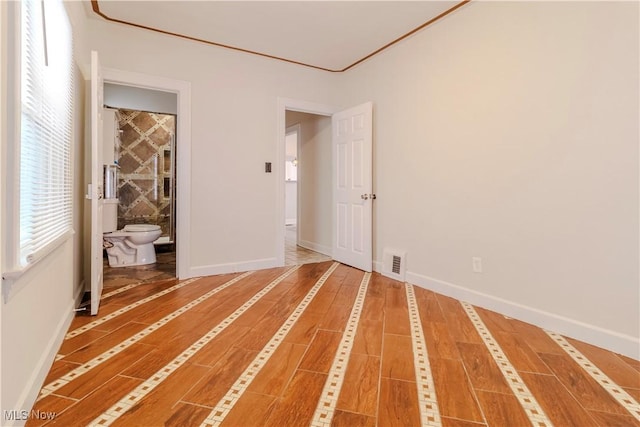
x: 477, y: 264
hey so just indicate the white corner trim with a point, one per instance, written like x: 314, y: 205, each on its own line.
x: 234, y: 267
x: 608, y: 339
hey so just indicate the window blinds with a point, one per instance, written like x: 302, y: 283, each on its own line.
x: 46, y: 198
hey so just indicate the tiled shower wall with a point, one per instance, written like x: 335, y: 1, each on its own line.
x: 146, y: 183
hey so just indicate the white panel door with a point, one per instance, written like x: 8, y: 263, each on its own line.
x: 353, y: 185
x: 96, y: 190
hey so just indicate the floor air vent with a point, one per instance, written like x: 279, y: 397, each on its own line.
x: 397, y: 262
x: 394, y: 264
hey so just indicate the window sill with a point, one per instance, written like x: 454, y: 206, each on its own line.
x: 12, y: 277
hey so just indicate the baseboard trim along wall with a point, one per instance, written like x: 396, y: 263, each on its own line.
x: 233, y: 267
x: 30, y: 393
x: 607, y: 339
x: 324, y: 250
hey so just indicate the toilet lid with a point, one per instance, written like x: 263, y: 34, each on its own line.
x: 141, y: 227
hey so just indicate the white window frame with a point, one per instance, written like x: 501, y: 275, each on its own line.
x: 13, y: 266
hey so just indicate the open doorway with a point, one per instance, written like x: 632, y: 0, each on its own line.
x: 308, y: 194
x: 139, y: 128
x: 350, y: 179
x: 291, y: 141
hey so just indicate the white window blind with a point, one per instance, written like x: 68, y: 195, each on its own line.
x: 45, y: 178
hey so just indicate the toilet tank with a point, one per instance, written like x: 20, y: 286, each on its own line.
x: 109, y: 215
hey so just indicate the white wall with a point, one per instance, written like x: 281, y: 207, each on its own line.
x: 40, y: 307
x: 509, y: 131
x: 506, y: 131
x: 34, y: 322
x: 314, y: 181
x: 234, y: 132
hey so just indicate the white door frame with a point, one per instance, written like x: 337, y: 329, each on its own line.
x: 285, y: 104
x: 183, y: 152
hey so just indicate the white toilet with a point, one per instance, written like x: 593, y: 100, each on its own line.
x: 133, y: 245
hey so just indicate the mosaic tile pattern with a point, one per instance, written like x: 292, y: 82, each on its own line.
x: 98, y: 360
x: 146, y: 181
x: 607, y: 383
x: 128, y: 401
x: 164, y: 268
x: 325, y: 410
x: 530, y: 405
x: 224, y: 406
x: 428, y: 403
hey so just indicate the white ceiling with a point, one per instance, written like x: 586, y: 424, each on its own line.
x: 326, y: 34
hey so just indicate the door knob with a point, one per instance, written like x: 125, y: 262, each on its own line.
x: 364, y: 197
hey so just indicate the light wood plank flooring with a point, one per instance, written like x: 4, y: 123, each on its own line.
x: 323, y: 344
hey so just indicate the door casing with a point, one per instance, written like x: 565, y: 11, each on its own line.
x: 183, y: 152
x: 284, y: 105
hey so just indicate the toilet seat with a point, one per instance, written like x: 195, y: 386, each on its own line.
x: 136, y: 228
x: 132, y: 228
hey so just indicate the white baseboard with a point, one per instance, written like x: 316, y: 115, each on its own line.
x: 604, y: 338
x: 610, y: 340
x: 235, y: 267
x: 312, y: 246
x: 31, y: 391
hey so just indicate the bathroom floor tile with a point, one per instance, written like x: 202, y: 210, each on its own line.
x: 164, y: 268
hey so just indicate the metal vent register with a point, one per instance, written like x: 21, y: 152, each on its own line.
x: 397, y: 262
x: 393, y: 264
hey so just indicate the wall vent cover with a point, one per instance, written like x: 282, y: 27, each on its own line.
x: 393, y: 264
x: 397, y: 263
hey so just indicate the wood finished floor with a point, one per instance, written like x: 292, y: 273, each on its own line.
x: 324, y: 344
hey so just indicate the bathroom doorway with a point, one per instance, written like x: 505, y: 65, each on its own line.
x: 142, y: 124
